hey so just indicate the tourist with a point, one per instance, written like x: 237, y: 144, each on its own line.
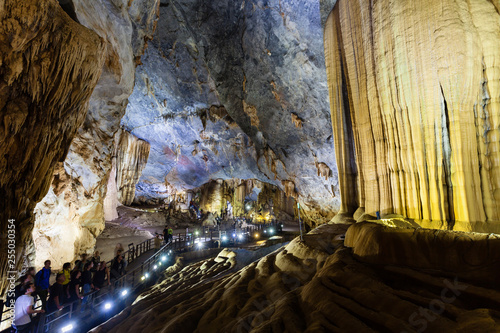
x: 55, y: 300
x: 117, y: 268
x: 165, y: 234
x: 120, y: 253
x: 42, y: 282
x: 77, y: 264
x: 86, y: 279
x: 31, y: 271
x: 74, y: 286
x: 119, y: 247
x: 67, y: 275
x: 101, y: 276
x: 83, y: 261
x: 170, y: 235
x: 96, y: 260
x: 157, y: 241
x: 18, y: 290
x: 24, y: 309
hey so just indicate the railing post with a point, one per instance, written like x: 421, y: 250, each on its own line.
x: 1, y: 310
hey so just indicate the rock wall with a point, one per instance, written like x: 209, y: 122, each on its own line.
x: 131, y: 157
x: 237, y: 90
x: 49, y: 66
x: 415, y: 103
x: 125, y: 26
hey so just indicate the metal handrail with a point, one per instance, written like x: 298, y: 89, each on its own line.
x: 182, y: 240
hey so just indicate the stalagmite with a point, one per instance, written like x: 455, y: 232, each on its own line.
x: 132, y: 155
x: 415, y: 97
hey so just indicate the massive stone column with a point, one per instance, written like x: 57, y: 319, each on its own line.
x: 49, y: 66
x: 71, y: 216
x: 417, y: 83
x: 132, y: 155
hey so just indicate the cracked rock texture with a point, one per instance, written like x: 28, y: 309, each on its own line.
x: 233, y: 89
x: 71, y: 215
x: 415, y: 102
x: 49, y: 66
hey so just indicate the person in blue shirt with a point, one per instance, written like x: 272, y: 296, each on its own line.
x: 42, y: 282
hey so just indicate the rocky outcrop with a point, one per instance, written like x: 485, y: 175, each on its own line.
x: 236, y: 90
x: 49, y: 66
x: 414, y: 95
x: 131, y: 157
x: 314, y: 286
x: 76, y: 213
x: 468, y: 256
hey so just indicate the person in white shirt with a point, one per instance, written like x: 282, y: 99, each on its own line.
x: 24, y: 308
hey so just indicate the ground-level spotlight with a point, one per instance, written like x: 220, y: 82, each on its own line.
x: 196, y: 232
x: 224, y: 238
x: 124, y: 292
x: 234, y: 235
x: 256, y: 235
x: 163, y: 258
x: 170, y: 252
x: 159, y: 264
x: 67, y: 328
x: 240, y: 236
x: 155, y: 267
x: 199, y: 245
x: 108, y: 305
x: 143, y: 278
x: 271, y: 231
x: 265, y: 231
x: 146, y: 275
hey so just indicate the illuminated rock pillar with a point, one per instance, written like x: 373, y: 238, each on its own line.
x: 415, y: 90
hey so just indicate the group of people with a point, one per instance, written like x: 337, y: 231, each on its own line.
x: 72, y: 284
x: 168, y: 234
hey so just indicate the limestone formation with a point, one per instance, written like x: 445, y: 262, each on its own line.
x: 323, y: 170
x: 296, y: 120
x: 415, y: 103
x: 49, y: 66
x: 213, y: 197
x: 260, y: 62
x: 125, y: 26
x: 315, y: 286
x: 467, y: 256
x: 132, y: 155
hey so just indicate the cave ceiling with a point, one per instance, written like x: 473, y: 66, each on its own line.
x: 236, y: 90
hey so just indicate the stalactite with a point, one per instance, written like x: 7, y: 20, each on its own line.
x: 49, y: 66
x: 417, y: 84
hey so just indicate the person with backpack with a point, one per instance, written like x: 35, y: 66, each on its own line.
x: 42, y: 282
